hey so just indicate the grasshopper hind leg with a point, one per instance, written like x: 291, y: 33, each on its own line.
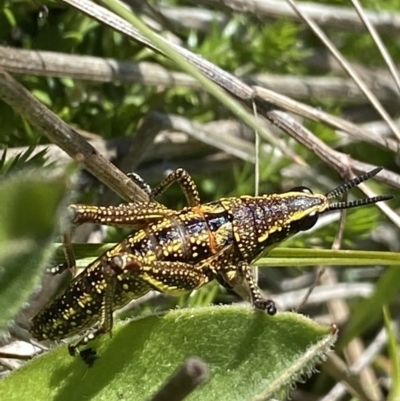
x: 113, y: 288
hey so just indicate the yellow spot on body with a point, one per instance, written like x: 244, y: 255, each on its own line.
x: 139, y: 236
x: 237, y: 236
x: 263, y: 237
x: 212, y: 209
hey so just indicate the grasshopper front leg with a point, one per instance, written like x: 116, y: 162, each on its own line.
x: 256, y: 298
x: 233, y: 277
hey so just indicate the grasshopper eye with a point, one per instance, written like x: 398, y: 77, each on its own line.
x: 306, y: 222
x: 302, y: 189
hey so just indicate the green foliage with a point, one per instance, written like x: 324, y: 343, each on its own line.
x: 24, y: 160
x: 246, y: 350
x: 28, y: 215
x: 115, y: 109
x: 250, y: 355
x: 107, y: 109
x: 360, y: 45
x: 269, y: 47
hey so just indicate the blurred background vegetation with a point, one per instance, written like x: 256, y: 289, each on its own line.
x: 275, y: 51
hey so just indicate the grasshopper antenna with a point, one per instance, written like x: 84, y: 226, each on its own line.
x: 341, y: 189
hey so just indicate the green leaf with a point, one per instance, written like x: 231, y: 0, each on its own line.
x: 251, y: 356
x: 278, y: 257
x: 42, y: 96
x: 28, y: 210
x: 10, y: 16
x: 27, y: 159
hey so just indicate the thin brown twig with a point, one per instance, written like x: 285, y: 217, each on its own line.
x: 319, y: 87
x: 60, y: 133
x: 90, y: 68
x: 312, y: 113
x: 347, y: 67
x: 323, y: 14
x: 339, y: 390
x: 210, y: 71
x: 170, y: 143
x: 380, y: 45
x: 338, y: 369
x: 234, y: 86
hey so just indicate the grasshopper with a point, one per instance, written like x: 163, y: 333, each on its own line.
x: 176, y: 252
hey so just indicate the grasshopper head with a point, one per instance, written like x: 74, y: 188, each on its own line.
x: 307, y: 207
x: 261, y: 223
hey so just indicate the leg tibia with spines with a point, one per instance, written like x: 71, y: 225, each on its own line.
x: 183, y: 178
x: 180, y: 176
